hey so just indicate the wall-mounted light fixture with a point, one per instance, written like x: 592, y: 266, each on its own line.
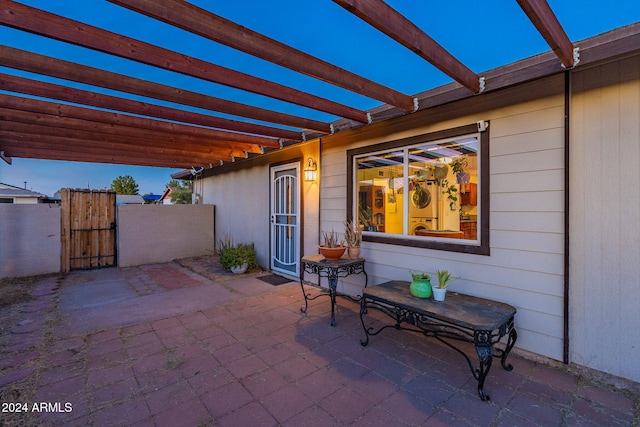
x: 311, y: 170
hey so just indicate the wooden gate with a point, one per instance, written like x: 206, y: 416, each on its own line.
x: 88, y: 229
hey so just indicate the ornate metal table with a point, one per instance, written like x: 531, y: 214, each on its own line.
x: 332, y: 270
x: 478, y: 321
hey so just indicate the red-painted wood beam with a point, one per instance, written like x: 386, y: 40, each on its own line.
x: 206, y: 24
x: 37, y: 107
x: 22, y: 17
x: 28, y: 122
x: 109, y: 146
x: 387, y: 20
x: 6, y: 158
x: 17, y: 84
x: 26, y: 150
x: 543, y: 18
x: 116, y: 142
x: 40, y: 64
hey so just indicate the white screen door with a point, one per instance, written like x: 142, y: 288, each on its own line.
x: 285, y: 229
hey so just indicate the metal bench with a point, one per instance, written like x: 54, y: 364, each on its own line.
x: 460, y: 317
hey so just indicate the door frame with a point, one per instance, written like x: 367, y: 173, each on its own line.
x: 275, y: 167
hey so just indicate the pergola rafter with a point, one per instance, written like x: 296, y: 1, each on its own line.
x: 126, y: 143
x: 543, y: 18
x: 78, y: 96
x: 191, y: 18
x: 16, y: 143
x: 36, y: 21
x: 10, y: 118
x: 387, y: 20
x: 214, y: 137
x: 175, y: 137
x: 45, y: 65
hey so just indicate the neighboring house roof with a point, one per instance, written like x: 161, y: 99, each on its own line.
x: 166, y: 195
x: 151, y: 197
x: 126, y: 199
x: 7, y: 190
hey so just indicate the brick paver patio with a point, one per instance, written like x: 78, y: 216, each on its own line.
x: 163, y: 346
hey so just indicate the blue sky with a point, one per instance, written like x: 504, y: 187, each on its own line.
x: 483, y: 35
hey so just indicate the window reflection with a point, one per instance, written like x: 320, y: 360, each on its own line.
x: 427, y: 190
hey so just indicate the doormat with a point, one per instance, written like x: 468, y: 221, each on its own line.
x: 274, y: 279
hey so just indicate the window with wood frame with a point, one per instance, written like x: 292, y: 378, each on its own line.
x: 428, y: 191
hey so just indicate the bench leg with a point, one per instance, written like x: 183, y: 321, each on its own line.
x: 363, y: 310
x: 511, y: 341
x: 484, y: 348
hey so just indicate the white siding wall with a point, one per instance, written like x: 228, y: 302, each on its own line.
x: 605, y: 224
x: 525, y: 268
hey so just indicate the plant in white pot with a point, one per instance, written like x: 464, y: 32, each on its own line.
x: 444, y: 279
x: 236, y: 258
x: 353, y: 237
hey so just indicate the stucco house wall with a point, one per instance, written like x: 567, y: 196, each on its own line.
x: 604, y: 219
x: 242, y: 199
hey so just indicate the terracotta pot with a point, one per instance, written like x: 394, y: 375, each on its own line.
x: 332, y: 253
x: 353, y: 252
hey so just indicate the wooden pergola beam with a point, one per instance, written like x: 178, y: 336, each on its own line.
x: 17, y: 84
x: 41, y: 64
x: 6, y: 158
x: 24, y: 122
x: 40, y: 22
x: 387, y: 20
x: 24, y: 150
x: 91, y: 120
x: 543, y: 18
x: 113, y: 147
x: 133, y: 142
x: 206, y: 24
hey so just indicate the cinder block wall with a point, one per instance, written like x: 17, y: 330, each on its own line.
x: 29, y: 239
x: 149, y: 234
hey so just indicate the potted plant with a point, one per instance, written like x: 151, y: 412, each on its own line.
x: 457, y: 167
x: 420, y: 285
x: 331, y: 249
x: 440, y: 171
x: 444, y: 278
x: 353, y: 237
x: 236, y: 258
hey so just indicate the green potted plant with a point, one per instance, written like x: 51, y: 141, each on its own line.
x: 353, y: 237
x: 236, y: 258
x: 457, y: 167
x: 420, y: 285
x: 444, y: 279
x: 331, y: 248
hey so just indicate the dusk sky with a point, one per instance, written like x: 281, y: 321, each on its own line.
x: 483, y: 35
